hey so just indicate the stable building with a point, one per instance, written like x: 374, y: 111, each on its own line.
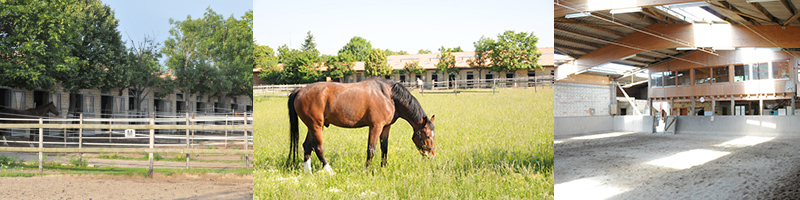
x: 429, y: 61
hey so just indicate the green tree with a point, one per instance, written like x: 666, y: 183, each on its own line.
x: 338, y: 68
x: 100, y: 50
x: 376, y: 64
x: 411, y: 68
x: 424, y: 51
x: 309, y: 45
x: 231, y: 54
x: 33, y: 44
x: 188, y: 54
x: 513, y: 51
x: 390, y: 52
x: 483, y: 47
x: 356, y: 50
x: 144, y: 69
x: 267, y: 60
x: 298, y: 66
x: 457, y: 49
x: 447, y: 63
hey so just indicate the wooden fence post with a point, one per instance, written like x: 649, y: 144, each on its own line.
x: 226, y: 132
x: 41, y: 154
x: 80, y: 139
x: 494, y: 85
x: 188, y: 146
x: 246, y: 157
x: 152, y: 142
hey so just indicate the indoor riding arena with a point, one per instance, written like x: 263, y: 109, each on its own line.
x: 677, y: 98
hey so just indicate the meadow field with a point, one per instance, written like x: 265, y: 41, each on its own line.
x: 487, y: 147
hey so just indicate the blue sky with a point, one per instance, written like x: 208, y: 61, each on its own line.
x: 150, y: 17
x: 398, y: 25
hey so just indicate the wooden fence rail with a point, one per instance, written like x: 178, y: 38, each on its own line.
x: 245, y: 140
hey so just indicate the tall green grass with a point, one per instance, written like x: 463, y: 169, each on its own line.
x: 487, y: 147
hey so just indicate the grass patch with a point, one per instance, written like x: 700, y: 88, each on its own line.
x: 487, y: 147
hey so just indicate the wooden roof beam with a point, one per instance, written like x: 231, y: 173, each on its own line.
x: 729, y: 7
x: 765, y: 12
x: 789, y: 6
x: 598, y: 39
x: 567, y: 39
x: 790, y: 20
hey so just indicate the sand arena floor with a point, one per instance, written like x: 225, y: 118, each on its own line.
x: 683, y: 166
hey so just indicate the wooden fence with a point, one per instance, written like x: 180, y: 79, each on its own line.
x: 456, y: 86
x: 190, y: 126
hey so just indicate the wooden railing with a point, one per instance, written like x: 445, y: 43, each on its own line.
x: 190, y: 126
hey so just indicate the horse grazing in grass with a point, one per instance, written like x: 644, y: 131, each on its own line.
x: 33, y: 113
x: 375, y: 102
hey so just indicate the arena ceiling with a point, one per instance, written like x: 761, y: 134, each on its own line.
x: 580, y: 30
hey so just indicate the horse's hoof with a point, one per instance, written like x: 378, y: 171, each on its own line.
x: 307, y: 166
x: 328, y: 169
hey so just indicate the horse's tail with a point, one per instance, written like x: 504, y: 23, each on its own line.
x: 294, y: 132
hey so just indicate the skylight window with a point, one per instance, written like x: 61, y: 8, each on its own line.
x: 691, y: 12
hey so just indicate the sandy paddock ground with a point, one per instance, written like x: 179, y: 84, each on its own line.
x: 208, y: 186
x: 177, y: 186
x: 683, y: 166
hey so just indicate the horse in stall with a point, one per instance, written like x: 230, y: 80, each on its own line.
x: 374, y: 102
x: 33, y: 113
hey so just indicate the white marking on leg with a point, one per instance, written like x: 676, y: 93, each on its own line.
x: 307, y: 165
x: 328, y: 168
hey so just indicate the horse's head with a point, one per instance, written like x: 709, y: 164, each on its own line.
x: 423, y: 137
x: 52, y: 108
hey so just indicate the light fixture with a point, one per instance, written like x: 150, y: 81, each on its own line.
x: 626, y: 10
x: 628, y: 57
x: 576, y: 15
x: 685, y: 48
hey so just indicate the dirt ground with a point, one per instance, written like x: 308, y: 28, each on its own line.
x: 621, y: 167
x: 208, y: 186
x: 179, y: 186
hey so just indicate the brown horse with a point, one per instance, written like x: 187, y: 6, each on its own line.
x: 33, y: 113
x: 375, y: 102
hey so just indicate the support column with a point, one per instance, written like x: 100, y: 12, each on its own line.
x: 791, y: 111
x: 760, y: 106
x: 693, y: 106
x: 733, y: 106
x: 671, y: 106
x: 713, y: 106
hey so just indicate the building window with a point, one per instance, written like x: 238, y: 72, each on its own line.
x: 741, y: 73
x: 119, y: 105
x: 760, y: 71
x: 702, y: 76
x: 88, y: 103
x: 780, y: 69
x: 720, y: 74
x: 669, y: 78
x: 656, y: 79
x: 683, y: 77
x: 18, y: 101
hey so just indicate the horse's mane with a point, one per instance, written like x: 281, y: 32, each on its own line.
x: 402, y: 97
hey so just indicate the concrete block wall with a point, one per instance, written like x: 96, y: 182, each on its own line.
x: 573, y: 99
x: 633, y: 123
x: 583, y: 125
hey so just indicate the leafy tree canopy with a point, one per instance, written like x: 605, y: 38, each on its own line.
x: 376, y: 64
x: 358, y: 49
